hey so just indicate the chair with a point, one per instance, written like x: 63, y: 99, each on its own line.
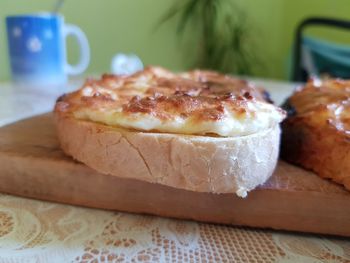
x: 313, y: 57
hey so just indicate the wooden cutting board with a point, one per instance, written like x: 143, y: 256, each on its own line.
x: 32, y: 165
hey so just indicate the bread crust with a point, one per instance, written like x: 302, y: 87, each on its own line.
x: 195, y: 163
x: 323, y: 150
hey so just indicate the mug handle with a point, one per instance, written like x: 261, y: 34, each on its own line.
x: 81, y: 66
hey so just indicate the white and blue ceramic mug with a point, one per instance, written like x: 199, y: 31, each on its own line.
x: 37, y: 48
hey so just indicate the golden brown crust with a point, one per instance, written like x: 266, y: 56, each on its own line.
x: 202, y: 95
x: 316, y: 135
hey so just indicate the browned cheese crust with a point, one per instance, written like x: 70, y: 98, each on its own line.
x: 201, y: 94
x: 316, y: 134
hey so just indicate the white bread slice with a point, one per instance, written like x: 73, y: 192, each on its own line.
x: 195, y: 163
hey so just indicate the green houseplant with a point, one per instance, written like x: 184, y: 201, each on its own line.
x: 220, y: 34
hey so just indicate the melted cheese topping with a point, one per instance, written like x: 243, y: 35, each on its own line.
x: 324, y: 104
x: 197, y: 102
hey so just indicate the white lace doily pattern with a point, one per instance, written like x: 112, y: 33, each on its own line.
x: 36, y: 231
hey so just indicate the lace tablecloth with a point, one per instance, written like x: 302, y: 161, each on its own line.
x: 36, y: 231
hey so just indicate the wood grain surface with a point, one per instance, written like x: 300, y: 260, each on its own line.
x: 32, y: 165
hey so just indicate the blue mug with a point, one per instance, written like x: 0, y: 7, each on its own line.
x: 37, y: 49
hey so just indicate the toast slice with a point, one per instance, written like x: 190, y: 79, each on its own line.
x: 316, y: 134
x: 199, y: 131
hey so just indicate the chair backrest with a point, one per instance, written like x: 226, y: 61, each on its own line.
x: 298, y: 72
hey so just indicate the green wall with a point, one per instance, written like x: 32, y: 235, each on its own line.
x: 275, y: 22
x: 128, y: 26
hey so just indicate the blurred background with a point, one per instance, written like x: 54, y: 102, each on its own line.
x: 160, y: 33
